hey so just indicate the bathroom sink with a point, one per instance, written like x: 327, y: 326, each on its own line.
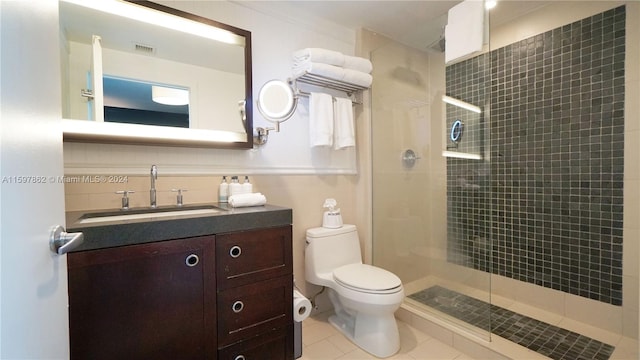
x: 157, y: 213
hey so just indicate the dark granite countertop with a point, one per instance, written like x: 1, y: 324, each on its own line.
x: 138, y: 231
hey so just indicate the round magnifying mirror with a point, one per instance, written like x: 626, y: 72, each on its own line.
x: 276, y: 101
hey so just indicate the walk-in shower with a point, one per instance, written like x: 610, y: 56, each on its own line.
x: 516, y: 183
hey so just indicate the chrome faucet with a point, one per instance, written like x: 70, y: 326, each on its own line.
x: 152, y: 192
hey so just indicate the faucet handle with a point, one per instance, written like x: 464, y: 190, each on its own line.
x: 125, y: 198
x: 179, y: 196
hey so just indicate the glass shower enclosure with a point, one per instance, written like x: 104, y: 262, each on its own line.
x: 429, y: 178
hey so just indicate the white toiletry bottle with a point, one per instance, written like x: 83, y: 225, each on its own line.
x: 223, y: 191
x: 235, y: 187
x: 247, y: 187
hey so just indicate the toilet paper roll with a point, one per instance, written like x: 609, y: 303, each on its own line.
x: 301, y: 306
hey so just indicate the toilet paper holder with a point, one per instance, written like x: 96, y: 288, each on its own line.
x: 301, y: 306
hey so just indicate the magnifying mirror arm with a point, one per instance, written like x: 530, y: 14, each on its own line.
x: 277, y: 102
x: 263, y: 134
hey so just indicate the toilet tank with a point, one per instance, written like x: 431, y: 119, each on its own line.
x: 327, y: 249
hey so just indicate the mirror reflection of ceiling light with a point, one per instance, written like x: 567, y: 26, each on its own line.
x: 169, y: 96
x: 490, y: 4
x: 150, y: 16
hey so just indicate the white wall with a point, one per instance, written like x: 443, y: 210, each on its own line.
x: 287, y: 152
x: 33, y: 281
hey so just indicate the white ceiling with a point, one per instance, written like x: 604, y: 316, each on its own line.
x: 416, y: 23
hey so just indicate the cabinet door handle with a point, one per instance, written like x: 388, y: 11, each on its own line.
x: 237, y: 306
x: 192, y: 260
x: 239, y: 357
x: 235, y: 251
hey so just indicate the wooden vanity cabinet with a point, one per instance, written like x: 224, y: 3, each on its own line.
x: 146, y: 301
x: 228, y: 296
x: 254, y: 271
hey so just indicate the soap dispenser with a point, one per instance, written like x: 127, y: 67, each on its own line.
x: 235, y: 187
x: 247, y: 187
x: 223, y: 190
x: 332, y: 218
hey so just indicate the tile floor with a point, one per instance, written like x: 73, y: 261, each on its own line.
x: 321, y: 341
x: 547, y: 339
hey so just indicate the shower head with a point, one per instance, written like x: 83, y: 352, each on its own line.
x: 439, y: 44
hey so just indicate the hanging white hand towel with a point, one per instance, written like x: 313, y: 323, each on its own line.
x: 464, y: 30
x: 344, y: 129
x: 320, y: 119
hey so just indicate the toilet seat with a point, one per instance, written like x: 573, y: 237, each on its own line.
x: 367, y: 278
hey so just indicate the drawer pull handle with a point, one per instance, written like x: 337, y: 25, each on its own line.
x: 239, y: 357
x: 235, y: 251
x: 192, y: 260
x: 237, y: 306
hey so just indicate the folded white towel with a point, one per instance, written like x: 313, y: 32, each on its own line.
x: 244, y: 200
x: 464, y: 30
x: 330, y: 71
x: 357, y: 63
x: 357, y: 77
x: 320, y: 119
x: 318, y: 55
x: 344, y: 131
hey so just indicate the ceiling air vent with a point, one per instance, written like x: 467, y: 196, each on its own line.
x: 145, y: 49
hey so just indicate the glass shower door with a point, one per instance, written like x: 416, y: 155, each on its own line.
x: 428, y: 218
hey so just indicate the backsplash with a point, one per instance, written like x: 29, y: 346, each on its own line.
x: 92, y: 192
x: 546, y: 206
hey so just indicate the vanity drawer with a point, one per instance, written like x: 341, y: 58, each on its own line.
x: 250, y: 310
x: 274, y: 345
x: 250, y: 256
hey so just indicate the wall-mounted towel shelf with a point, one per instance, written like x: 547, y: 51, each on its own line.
x: 328, y: 83
x: 323, y: 81
x: 293, y: 94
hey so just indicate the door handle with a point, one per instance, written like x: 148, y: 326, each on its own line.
x: 61, y: 242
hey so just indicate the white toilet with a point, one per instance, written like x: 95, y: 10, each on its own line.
x: 364, y: 297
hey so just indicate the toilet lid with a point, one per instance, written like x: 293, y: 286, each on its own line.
x: 366, y: 277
